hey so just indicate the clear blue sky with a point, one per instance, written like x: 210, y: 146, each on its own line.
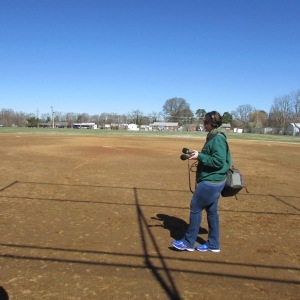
x: 116, y: 56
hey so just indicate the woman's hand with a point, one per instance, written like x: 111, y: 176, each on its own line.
x: 194, y: 154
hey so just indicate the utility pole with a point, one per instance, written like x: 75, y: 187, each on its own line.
x: 37, y: 117
x: 53, y: 112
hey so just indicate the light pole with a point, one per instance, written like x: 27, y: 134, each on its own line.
x: 53, y: 112
x: 37, y: 118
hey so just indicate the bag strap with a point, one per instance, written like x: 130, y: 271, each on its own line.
x: 231, y: 162
x: 230, y: 158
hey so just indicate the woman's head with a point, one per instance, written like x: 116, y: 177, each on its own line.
x: 212, y: 120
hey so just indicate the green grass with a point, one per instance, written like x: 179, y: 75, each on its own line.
x: 170, y: 134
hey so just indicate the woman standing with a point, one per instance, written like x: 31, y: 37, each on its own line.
x: 213, y: 164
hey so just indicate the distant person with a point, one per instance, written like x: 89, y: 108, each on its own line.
x: 213, y: 164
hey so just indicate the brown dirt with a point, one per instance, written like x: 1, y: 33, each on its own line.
x: 87, y: 217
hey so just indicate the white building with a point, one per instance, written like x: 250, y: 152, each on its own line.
x: 293, y: 129
x: 145, y: 128
x: 162, y: 126
x: 133, y: 127
x: 238, y: 130
x: 84, y: 126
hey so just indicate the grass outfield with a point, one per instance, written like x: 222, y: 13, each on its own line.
x: 171, y: 134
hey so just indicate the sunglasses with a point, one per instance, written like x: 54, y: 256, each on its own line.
x: 206, y: 122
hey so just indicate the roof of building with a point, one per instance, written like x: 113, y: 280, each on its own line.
x: 227, y: 125
x: 55, y: 123
x: 164, y: 124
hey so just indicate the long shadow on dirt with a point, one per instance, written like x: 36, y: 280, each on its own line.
x: 177, y: 227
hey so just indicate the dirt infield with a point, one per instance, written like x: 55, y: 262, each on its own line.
x: 87, y: 217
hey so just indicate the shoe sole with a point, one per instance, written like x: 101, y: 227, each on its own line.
x: 187, y: 249
x: 209, y: 250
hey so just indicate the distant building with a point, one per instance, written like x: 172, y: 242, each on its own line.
x: 133, y: 127
x: 145, y: 128
x: 293, y: 129
x: 226, y: 126
x: 84, y: 126
x: 189, y: 127
x: 45, y: 124
x: 164, y: 126
x: 238, y: 130
x: 50, y: 124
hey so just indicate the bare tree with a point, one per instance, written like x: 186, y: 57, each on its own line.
x: 20, y: 119
x: 281, y: 110
x: 177, y: 110
x: 295, y: 101
x: 135, y: 117
x: 58, y: 116
x: 95, y: 119
x: 6, y: 117
x: 155, y: 117
x: 242, y: 114
x: 123, y: 119
x: 45, y: 117
x: 70, y: 118
x: 85, y: 118
x: 103, y: 119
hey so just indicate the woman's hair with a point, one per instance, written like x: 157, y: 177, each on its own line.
x: 214, y: 118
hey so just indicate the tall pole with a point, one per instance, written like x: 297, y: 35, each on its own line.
x: 52, y: 116
x: 37, y: 117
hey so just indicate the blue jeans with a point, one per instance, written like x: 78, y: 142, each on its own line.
x: 206, y: 197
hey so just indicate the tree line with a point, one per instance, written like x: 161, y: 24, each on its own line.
x: 284, y: 110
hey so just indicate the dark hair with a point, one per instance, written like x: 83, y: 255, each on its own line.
x: 214, y: 118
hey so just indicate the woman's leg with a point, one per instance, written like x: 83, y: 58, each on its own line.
x: 213, y: 240
x: 199, y: 201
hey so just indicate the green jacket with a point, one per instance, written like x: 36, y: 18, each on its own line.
x: 214, y: 159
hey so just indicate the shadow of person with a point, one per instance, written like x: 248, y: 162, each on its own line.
x: 3, y: 294
x: 177, y: 227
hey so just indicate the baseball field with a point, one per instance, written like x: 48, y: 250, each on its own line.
x: 93, y: 217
